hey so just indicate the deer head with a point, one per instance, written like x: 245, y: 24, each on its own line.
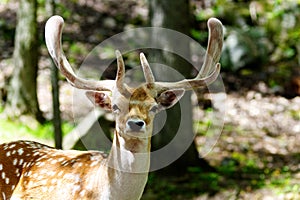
x: 135, y: 108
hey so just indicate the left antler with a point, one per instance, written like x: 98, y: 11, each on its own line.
x: 53, y: 32
x: 210, y: 68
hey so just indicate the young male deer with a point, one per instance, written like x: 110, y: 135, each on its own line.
x: 29, y: 170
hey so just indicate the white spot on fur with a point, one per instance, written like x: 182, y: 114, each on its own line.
x: 44, y: 189
x: 79, y: 164
x: 36, y: 154
x: 82, y: 193
x: 60, y: 173
x: 42, y: 164
x: 77, y: 178
x: 15, y: 162
x: 3, y: 195
x: 68, y: 176
x: 20, y: 151
x: 43, y: 182
x: 51, y: 188
x: 53, y: 181
x: 75, y: 189
x: 51, y: 173
x: 94, y: 163
x: 53, y: 162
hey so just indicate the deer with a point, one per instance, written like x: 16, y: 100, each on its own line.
x: 31, y: 170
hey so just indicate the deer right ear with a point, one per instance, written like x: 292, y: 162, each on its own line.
x: 100, y: 99
x: 169, y: 98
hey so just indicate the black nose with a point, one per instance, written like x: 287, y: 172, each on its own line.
x: 135, y: 125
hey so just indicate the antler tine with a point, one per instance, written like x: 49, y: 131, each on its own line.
x: 53, y: 33
x: 121, y: 75
x: 210, y: 68
x: 146, y: 69
x: 214, y: 47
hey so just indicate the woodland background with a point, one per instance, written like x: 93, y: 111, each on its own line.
x: 257, y: 156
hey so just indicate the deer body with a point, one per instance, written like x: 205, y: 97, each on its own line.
x: 41, y: 172
x: 29, y: 170
x: 38, y: 172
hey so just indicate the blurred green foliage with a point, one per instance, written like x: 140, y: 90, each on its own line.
x: 4, y: 1
x: 10, y: 129
x: 18, y: 129
x: 258, y: 34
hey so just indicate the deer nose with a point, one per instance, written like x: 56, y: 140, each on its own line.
x: 135, y: 125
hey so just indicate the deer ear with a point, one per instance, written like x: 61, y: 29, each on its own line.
x: 169, y: 98
x: 99, y: 99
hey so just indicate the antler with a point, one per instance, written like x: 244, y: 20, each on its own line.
x: 208, y: 73
x: 121, y: 75
x: 210, y: 68
x: 146, y: 69
x: 53, y: 32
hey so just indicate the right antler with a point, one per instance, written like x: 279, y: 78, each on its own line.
x: 53, y: 32
x: 210, y: 68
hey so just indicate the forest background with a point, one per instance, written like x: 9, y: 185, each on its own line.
x: 256, y: 156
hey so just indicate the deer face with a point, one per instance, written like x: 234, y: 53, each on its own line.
x: 134, y: 114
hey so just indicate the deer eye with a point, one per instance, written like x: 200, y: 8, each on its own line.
x: 115, y: 108
x: 154, y: 109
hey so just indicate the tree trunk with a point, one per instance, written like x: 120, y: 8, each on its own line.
x: 175, y: 15
x: 22, y: 93
x: 56, y: 121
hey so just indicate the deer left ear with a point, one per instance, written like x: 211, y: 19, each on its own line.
x: 100, y: 99
x: 169, y: 98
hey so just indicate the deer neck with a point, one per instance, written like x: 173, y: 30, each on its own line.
x: 127, y: 170
x: 130, y: 154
